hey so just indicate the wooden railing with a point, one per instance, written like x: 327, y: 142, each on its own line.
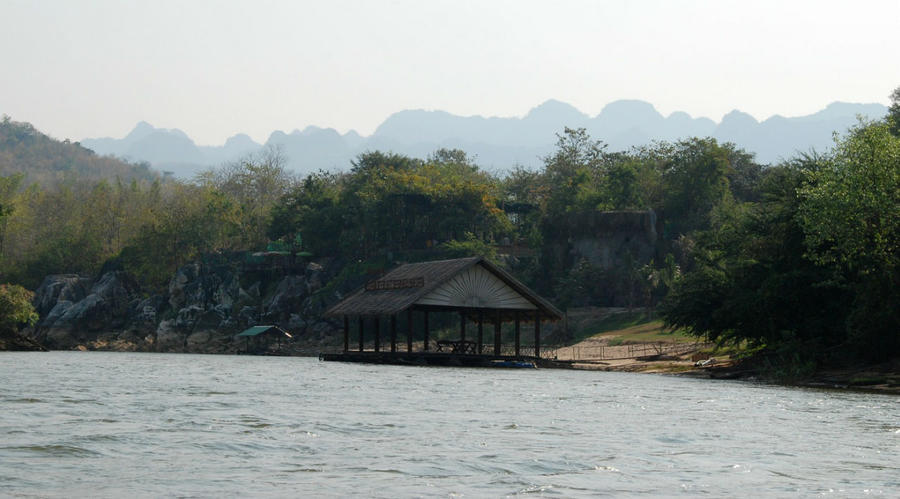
x: 633, y: 351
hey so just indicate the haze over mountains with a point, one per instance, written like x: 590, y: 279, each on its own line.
x: 497, y: 143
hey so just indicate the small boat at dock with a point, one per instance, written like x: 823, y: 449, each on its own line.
x: 514, y: 364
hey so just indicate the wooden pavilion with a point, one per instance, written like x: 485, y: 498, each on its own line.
x: 478, y: 290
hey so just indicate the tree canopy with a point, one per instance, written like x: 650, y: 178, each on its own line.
x: 799, y: 259
x: 810, y: 272
x: 15, y: 308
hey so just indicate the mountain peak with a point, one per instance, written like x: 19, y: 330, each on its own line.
x: 738, y: 118
x: 553, y: 109
x: 141, y: 130
x: 276, y: 137
x: 240, y: 140
x: 630, y: 109
x: 847, y: 109
x: 498, y: 142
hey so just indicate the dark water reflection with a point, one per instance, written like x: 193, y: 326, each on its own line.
x: 117, y: 424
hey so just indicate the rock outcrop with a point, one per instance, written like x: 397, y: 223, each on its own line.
x: 199, y: 311
x: 77, y: 311
x: 608, y: 238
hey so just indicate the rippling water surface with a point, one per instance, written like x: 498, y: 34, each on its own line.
x: 120, y: 424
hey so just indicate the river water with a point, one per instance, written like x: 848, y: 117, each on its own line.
x: 136, y: 425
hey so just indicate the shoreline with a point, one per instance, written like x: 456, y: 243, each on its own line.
x: 875, y: 378
x: 881, y: 378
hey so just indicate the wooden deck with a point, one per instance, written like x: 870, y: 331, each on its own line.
x: 434, y: 359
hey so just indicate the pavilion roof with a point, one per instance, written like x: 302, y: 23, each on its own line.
x: 403, y: 286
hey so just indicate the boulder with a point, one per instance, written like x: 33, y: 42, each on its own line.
x: 296, y: 324
x: 56, y: 313
x: 205, y: 286
x: 147, y: 310
x: 315, y: 276
x: 212, y: 318
x: 105, y: 307
x: 132, y: 336
x: 181, y: 287
x: 59, y: 287
x: 187, y: 317
x: 168, y: 338
x: 288, y: 297
x: 248, y: 316
x: 59, y: 338
x: 196, y: 340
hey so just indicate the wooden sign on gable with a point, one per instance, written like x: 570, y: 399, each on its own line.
x: 381, y: 284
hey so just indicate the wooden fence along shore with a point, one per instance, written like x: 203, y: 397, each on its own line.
x: 622, y: 352
x: 573, y: 353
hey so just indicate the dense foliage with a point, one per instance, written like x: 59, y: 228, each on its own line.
x: 799, y: 259
x: 122, y: 215
x: 49, y: 162
x: 15, y: 308
x: 810, y: 272
x: 389, y: 202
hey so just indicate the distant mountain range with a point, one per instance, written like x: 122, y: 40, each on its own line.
x: 497, y: 143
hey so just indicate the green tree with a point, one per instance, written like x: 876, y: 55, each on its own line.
x: 312, y: 210
x: 850, y: 215
x: 893, y: 116
x: 623, y: 185
x: 255, y: 184
x: 575, y: 176
x: 696, y: 184
x: 521, y: 192
x: 851, y: 208
x: 810, y: 272
x: 470, y: 246
x: 751, y: 281
x: 15, y: 308
x: 9, y: 187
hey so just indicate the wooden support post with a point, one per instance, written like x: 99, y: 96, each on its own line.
x: 537, y: 333
x: 361, y: 329
x: 497, y: 325
x: 393, y: 333
x: 462, y: 326
x: 346, y: 334
x: 480, y: 345
x: 518, y: 333
x: 426, y: 331
x: 377, y: 333
x: 409, y: 330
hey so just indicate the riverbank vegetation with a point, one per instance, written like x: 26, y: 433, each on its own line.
x: 797, y: 260
x: 15, y: 311
x: 810, y: 271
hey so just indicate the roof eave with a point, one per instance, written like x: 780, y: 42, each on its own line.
x: 545, y: 307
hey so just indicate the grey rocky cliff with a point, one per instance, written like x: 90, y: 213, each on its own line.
x: 71, y: 311
x: 201, y: 309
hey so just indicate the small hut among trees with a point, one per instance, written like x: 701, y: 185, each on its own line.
x: 259, y: 339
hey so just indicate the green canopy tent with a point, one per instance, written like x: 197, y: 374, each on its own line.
x: 258, y: 338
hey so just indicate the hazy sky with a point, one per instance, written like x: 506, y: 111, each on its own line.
x: 79, y: 69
